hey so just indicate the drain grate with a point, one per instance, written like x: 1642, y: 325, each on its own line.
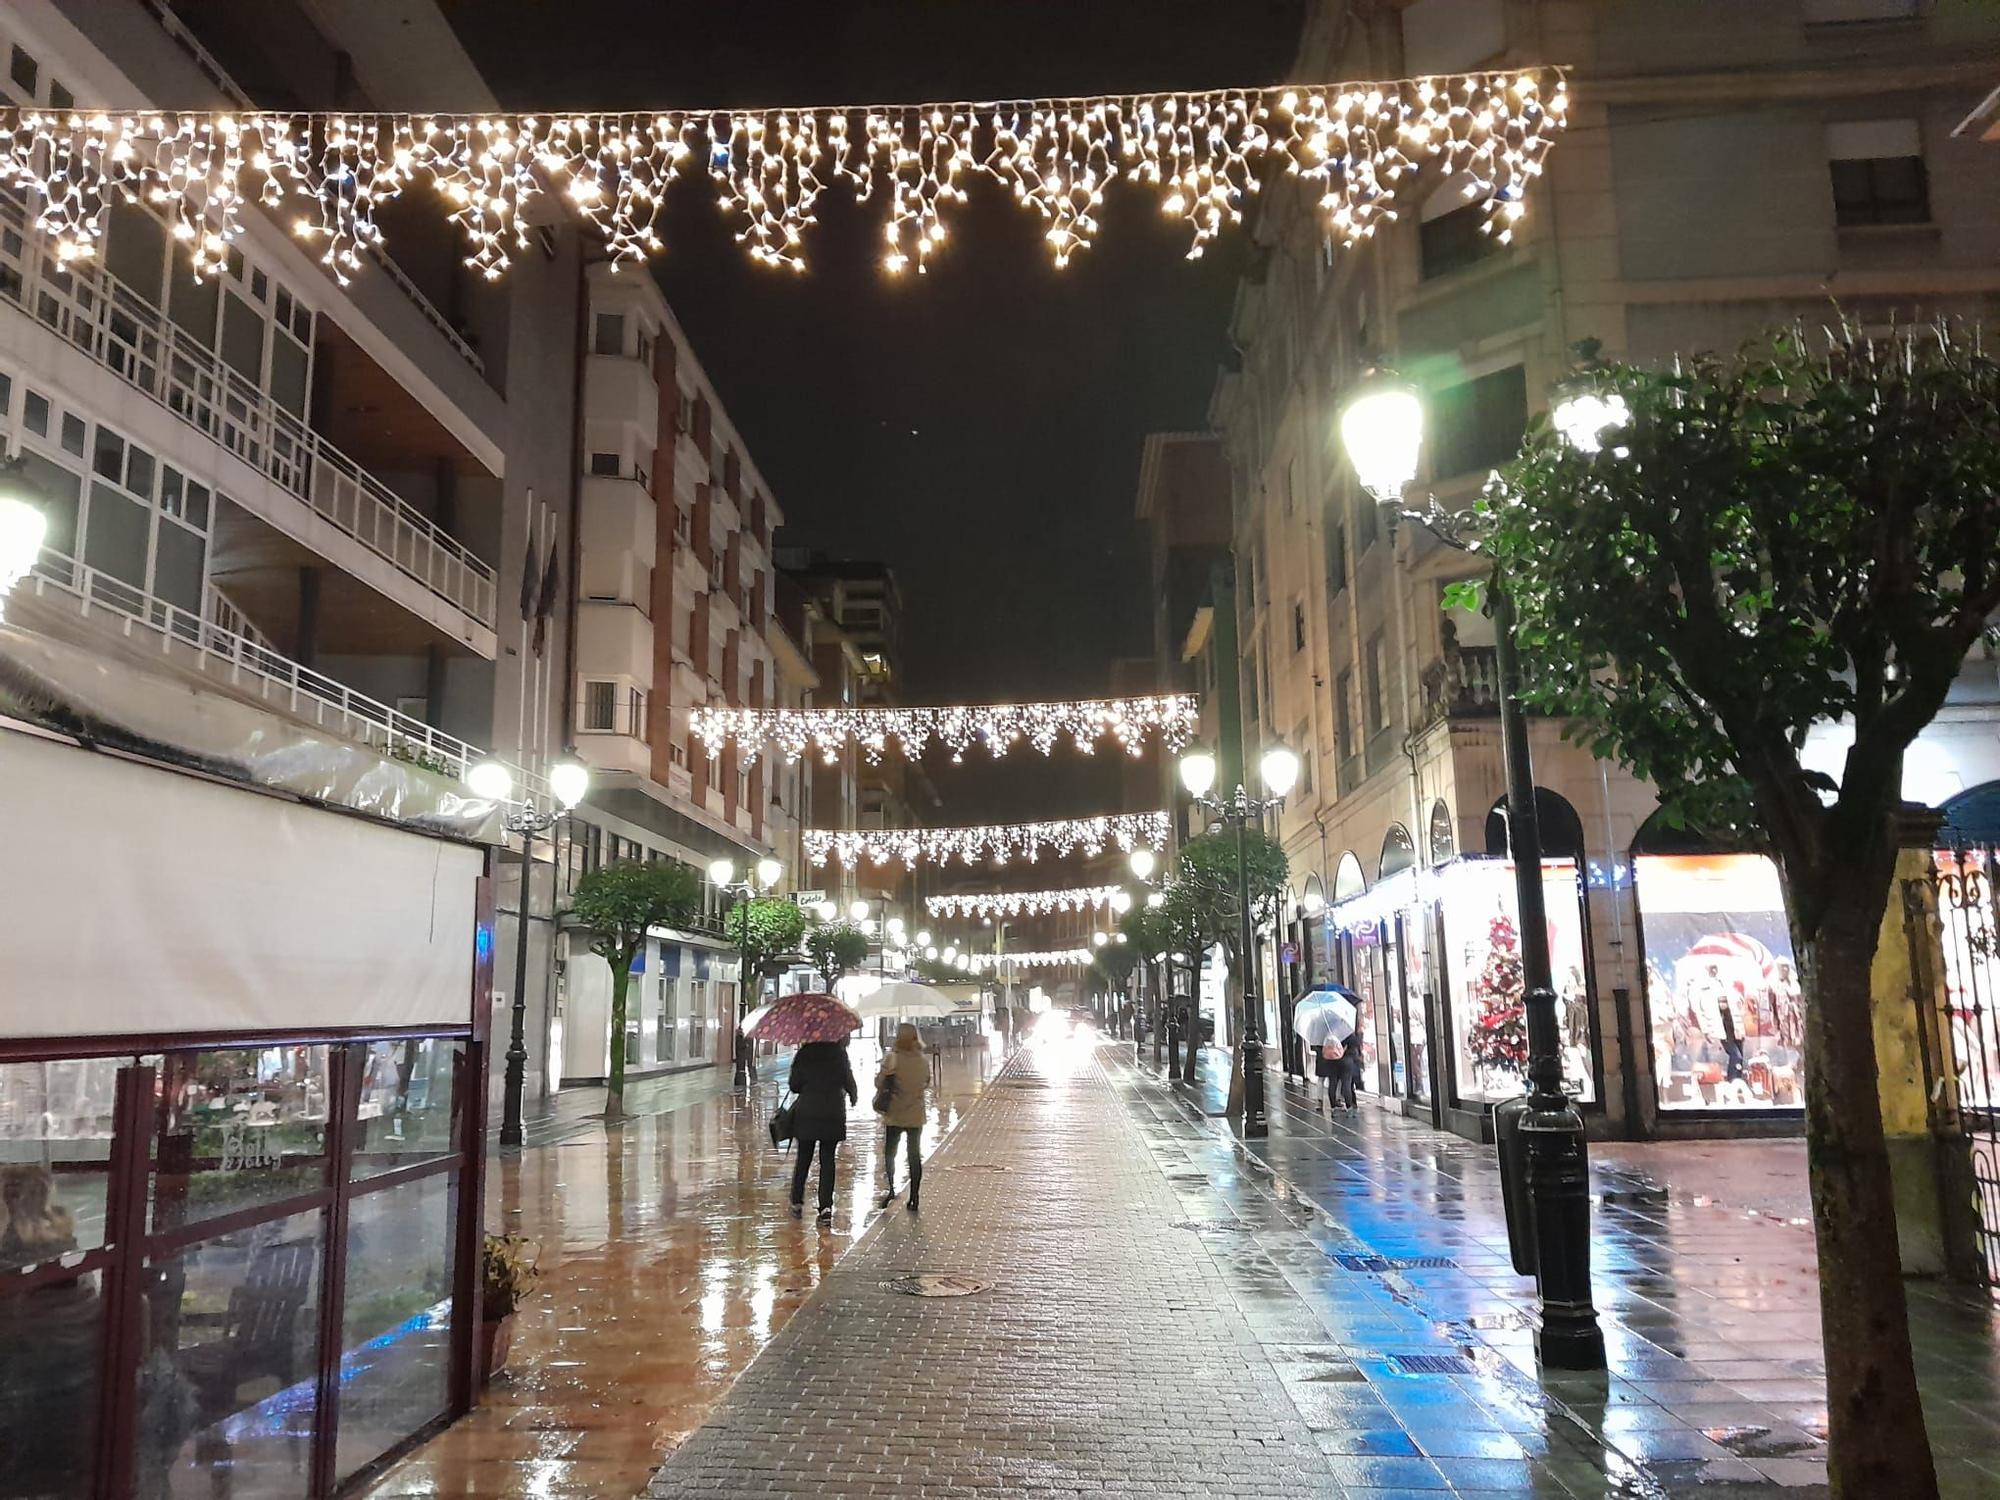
x: 1212, y: 1226
x: 1352, y: 1262
x: 935, y: 1284
x: 977, y: 1166
x: 1380, y: 1263
x: 1433, y: 1364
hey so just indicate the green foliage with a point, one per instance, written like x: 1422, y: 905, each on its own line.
x: 1114, y: 962
x: 836, y: 948
x: 1148, y: 931
x: 618, y: 903
x: 764, y: 929
x: 1804, y: 532
x: 1201, y: 896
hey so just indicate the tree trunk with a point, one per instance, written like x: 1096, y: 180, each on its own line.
x: 1878, y: 1445
x: 614, y: 1093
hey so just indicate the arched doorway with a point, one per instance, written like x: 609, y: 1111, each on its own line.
x: 1443, y: 834
x: 1973, y: 816
x: 1399, y: 852
x: 1347, y: 877
x: 1562, y: 829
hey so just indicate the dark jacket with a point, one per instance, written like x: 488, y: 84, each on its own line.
x: 1328, y: 1067
x: 821, y: 1073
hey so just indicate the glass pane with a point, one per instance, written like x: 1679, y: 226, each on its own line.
x: 236, y: 1129
x: 64, y: 490
x: 51, y: 1342
x: 229, y: 1385
x: 55, y: 1157
x: 406, y: 1097
x: 395, y: 1370
x: 115, y: 535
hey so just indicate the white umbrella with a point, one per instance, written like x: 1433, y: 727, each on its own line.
x: 1324, y: 1016
x: 899, y: 998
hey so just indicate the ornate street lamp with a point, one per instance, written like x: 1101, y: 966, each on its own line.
x: 1381, y: 427
x: 1278, y: 769
x: 490, y: 781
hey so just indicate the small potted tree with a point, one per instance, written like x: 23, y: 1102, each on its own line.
x: 509, y: 1272
x: 620, y: 904
x: 836, y: 948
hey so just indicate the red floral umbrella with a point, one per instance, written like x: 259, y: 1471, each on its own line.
x: 796, y: 1019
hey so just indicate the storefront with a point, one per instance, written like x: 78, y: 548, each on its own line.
x: 679, y: 1007
x: 242, y: 1052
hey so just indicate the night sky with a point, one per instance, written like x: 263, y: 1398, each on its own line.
x: 977, y: 428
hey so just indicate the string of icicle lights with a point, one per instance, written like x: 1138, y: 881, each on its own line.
x: 1022, y: 903
x: 1201, y: 154
x: 999, y: 842
x: 1048, y: 959
x: 997, y: 726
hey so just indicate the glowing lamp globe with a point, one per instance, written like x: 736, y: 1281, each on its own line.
x: 1121, y: 902
x: 569, y: 780
x: 1143, y: 864
x: 1382, y: 430
x: 1099, y: 939
x: 1157, y: 899
x: 827, y: 910
x: 894, y: 927
x: 1279, y: 769
x: 930, y: 952
x: 490, y: 780
x: 722, y: 871
x: 924, y: 938
x: 1198, y: 772
x: 858, y: 910
x: 1583, y: 417
x: 950, y: 953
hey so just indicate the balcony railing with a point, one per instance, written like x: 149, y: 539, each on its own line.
x: 246, y: 657
x: 127, y: 335
x: 1465, y: 682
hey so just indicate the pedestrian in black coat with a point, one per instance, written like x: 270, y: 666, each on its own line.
x: 821, y: 1073
x: 1333, y: 1070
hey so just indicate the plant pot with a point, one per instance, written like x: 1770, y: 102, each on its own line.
x: 496, y: 1338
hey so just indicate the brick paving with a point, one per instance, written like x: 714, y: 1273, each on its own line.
x: 1101, y: 1362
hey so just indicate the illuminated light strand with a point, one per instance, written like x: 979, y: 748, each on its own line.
x: 1046, y: 959
x: 1204, y: 154
x: 998, y: 726
x: 1022, y: 903
x: 999, y: 842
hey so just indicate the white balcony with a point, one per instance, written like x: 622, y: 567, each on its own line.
x: 613, y: 640
x: 618, y: 519
x: 622, y: 390
x: 65, y: 327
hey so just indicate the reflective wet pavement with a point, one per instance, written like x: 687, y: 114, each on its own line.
x: 1326, y: 1312
x: 668, y: 1260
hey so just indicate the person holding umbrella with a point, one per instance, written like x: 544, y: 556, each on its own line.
x: 1324, y: 1021
x: 821, y: 1074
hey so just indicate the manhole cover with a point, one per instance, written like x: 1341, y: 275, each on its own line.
x: 937, y: 1285
x: 1433, y: 1364
x: 1380, y: 1263
x: 1213, y: 1226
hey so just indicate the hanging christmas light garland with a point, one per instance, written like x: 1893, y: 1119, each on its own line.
x: 1202, y: 153
x: 997, y: 726
x: 1049, y: 959
x: 999, y: 842
x: 1021, y: 903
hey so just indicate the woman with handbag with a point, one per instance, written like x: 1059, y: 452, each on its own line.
x: 821, y: 1075
x: 1330, y: 1063
x: 899, y: 1100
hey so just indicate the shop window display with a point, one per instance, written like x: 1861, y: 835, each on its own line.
x: 1488, y: 989
x: 1417, y: 977
x: 1722, y: 987
x: 238, y: 1128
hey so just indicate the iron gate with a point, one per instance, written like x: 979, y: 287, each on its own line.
x: 1952, y: 922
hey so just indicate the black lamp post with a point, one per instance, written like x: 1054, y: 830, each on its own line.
x: 1381, y: 428
x: 722, y: 874
x: 1279, y: 770
x: 568, y: 781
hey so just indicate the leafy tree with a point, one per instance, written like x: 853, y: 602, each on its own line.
x: 764, y: 929
x: 1202, y: 894
x: 1801, y: 534
x: 836, y: 948
x: 619, y: 903
x: 1149, y: 936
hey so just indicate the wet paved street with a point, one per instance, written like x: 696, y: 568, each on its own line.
x: 669, y: 1262
x: 1172, y: 1311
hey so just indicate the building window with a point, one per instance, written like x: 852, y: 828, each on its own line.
x: 677, y: 754
x: 635, y: 704
x: 1298, y: 625
x: 1479, y: 424
x: 1366, y: 521
x: 1378, y: 703
x: 25, y: 72
x: 610, y: 335
x: 1877, y: 167
x: 1343, y: 714
x: 600, y: 706
x: 604, y: 465
x: 1455, y: 237
x: 60, y: 97
x: 1336, y: 557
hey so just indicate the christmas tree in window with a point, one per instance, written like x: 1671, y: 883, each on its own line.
x: 1497, y: 1037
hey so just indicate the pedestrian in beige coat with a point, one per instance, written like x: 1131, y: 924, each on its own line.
x: 906, y: 1073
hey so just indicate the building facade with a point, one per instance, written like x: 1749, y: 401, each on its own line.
x: 1727, y: 167
x: 289, y: 518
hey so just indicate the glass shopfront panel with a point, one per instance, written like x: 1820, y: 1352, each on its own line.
x: 1364, y: 949
x: 230, y: 1382
x: 1722, y: 987
x: 395, y: 1365
x: 55, y: 1157
x: 238, y: 1128
x: 51, y: 1349
x: 1415, y: 949
x: 405, y: 1113
x: 1483, y: 958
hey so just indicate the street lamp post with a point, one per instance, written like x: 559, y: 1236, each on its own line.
x: 568, y: 781
x: 1279, y: 769
x: 1381, y: 428
x: 722, y: 874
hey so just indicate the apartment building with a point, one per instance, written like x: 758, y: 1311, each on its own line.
x: 1727, y: 166
x: 676, y: 610
x: 272, y: 624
